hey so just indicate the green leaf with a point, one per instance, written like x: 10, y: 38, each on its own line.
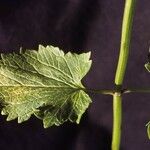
x: 148, y: 129
x: 46, y: 83
x: 147, y: 66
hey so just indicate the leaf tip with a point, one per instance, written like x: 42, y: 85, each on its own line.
x: 40, y: 46
x: 147, y: 66
x: 88, y: 54
x: 2, y: 112
x: 8, y: 119
x: 78, y: 120
x: 2, y: 56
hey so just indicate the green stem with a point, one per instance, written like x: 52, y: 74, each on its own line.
x: 120, y: 72
x: 142, y: 90
x: 117, y: 114
x: 125, y: 41
x: 105, y: 92
x: 123, y: 91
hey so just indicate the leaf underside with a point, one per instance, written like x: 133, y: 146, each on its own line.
x: 46, y: 83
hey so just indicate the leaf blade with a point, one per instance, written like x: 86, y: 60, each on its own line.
x: 44, y: 83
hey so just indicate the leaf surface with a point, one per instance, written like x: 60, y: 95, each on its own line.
x: 46, y: 83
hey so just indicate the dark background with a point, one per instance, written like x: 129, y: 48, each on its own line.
x: 80, y: 26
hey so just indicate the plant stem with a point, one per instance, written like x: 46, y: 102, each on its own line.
x: 120, y: 72
x: 142, y: 90
x: 125, y: 41
x: 117, y: 114
x: 105, y: 92
x: 123, y: 91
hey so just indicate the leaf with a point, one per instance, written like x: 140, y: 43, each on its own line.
x: 147, y: 66
x: 46, y: 83
x: 148, y: 129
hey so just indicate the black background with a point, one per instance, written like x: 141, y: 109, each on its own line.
x: 80, y: 26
